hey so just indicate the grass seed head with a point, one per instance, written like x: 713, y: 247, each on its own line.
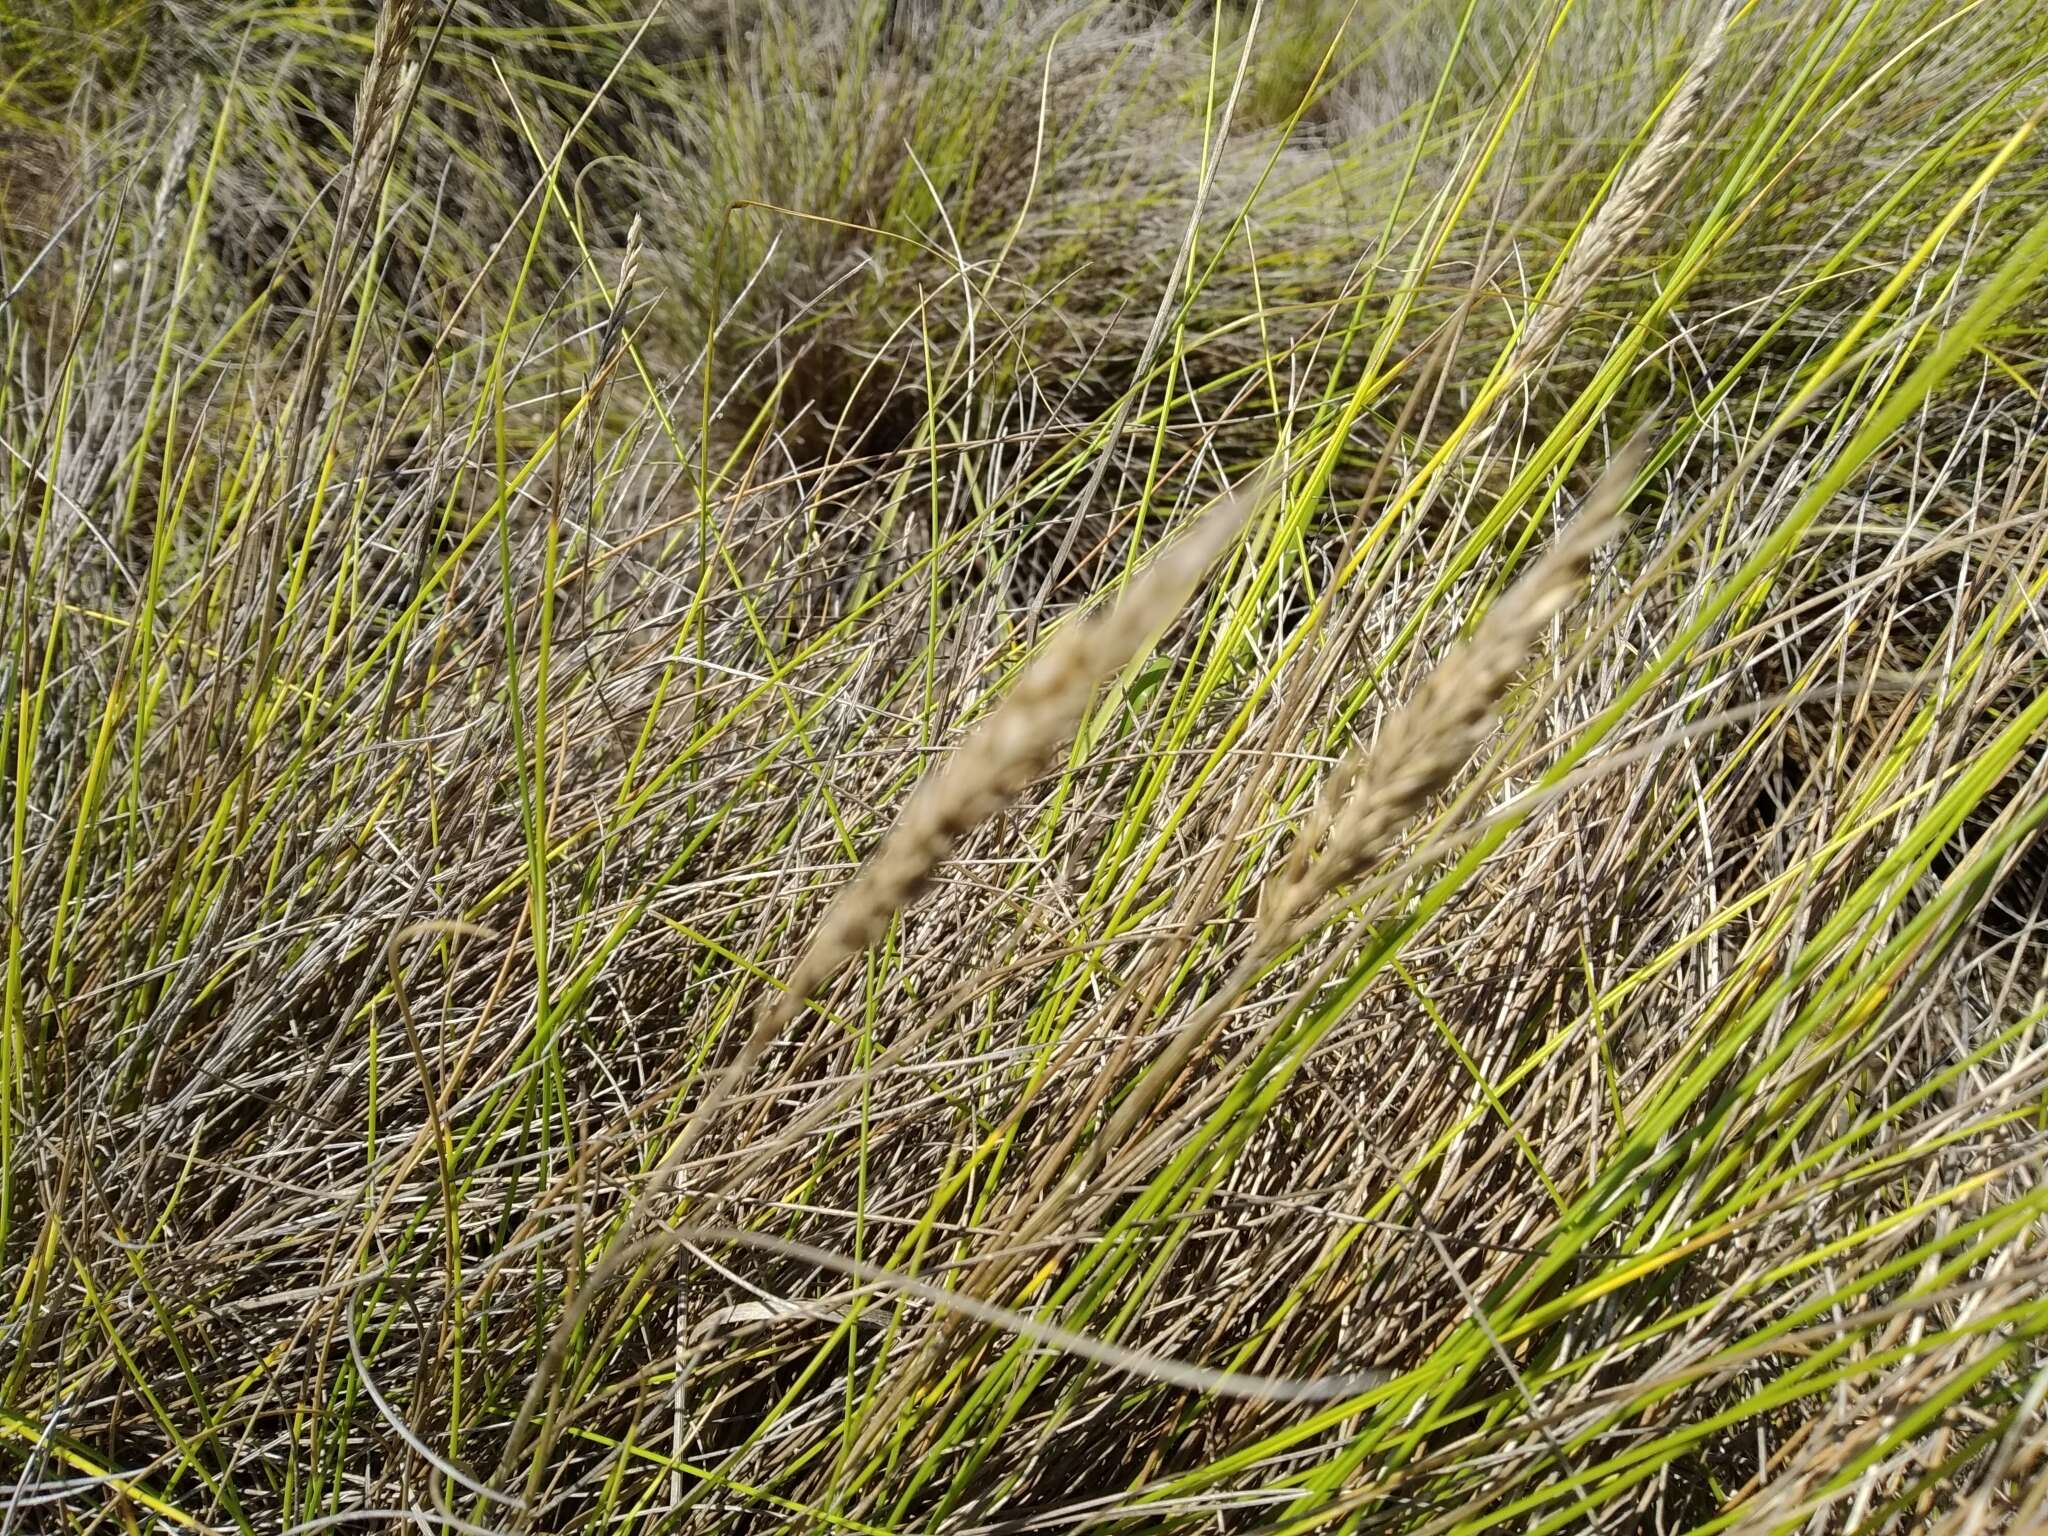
x: 1017, y: 743
x: 1376, y: 790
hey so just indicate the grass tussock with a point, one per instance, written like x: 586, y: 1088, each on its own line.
x: 976, y: 767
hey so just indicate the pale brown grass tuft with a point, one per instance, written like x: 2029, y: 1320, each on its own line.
x: 1666, y: 1082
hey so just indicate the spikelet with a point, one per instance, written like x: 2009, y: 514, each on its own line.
x: 1016, y: 744
x: 380, y: 102
x: 387, y: 87
x: 1375, y: 791
x: 614, y: 328
x: 1622, y: 215
x: 611, y: 340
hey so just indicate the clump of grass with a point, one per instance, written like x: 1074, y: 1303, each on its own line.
x: 1017, y: 743
x: 661, y: 876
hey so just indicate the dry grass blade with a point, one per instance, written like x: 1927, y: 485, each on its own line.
x: 1146, y: 1365
x: 1375, y: 791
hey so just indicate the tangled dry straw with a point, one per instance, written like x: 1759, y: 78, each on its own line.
x: 699, y: 837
